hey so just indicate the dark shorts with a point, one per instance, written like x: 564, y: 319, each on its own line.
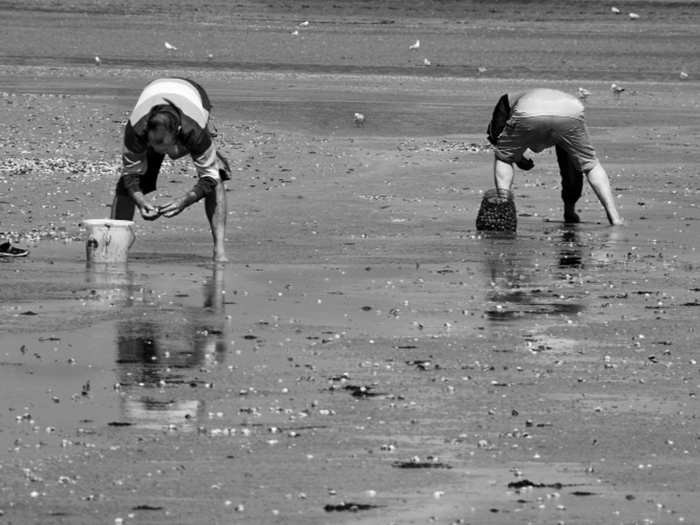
x: 147, y: 181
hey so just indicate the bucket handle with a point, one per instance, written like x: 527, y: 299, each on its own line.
x: 132, y: 235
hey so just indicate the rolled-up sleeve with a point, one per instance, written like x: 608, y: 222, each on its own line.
x: 203, y: 152
x: 133, y: 163
x: 207, y: 164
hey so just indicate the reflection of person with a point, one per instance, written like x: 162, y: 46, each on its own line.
x: 515, y: 280
x: 156, y: 355
x: 539, y: 119
x: 570, y: 249
x: 7, y: 250
x: 214, y: 292
x: 162, y: 345
x: 171, y: 117
x: 149, y: 352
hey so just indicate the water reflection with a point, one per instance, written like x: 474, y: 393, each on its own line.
x: 581, y: 248
x: 524, y: 282
x: 612, y: 248
x: 164, y: 363
x: 110, y: 286
x: 570, y: 248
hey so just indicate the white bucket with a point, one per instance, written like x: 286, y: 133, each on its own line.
x: 108, y: 240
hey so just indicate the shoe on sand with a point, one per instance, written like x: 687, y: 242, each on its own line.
x: 7, y: 250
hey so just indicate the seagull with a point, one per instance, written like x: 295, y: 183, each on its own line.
x: 583, y: 93
x: 426, y: 62
x: 616, y: 89
x: 304, y: 23
x: 97, y: 60
x: 359, y: 120
x: 683, y: 75
x: 168, y: 45
x: 615, y: 10
x: 415, y: 46
x: 210, y: 56
x: 482, y: 69
x: 295, y: 32
x: 633, y: 16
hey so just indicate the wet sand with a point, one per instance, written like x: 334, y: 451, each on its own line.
x: 366, y: 356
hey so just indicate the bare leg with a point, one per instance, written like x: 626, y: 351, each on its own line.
x: 216, y: 210
x: 502, y: 174
x: 571, y: 184
x: 123, y: 207
x: 598, y: 179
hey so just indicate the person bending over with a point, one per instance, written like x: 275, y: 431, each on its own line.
x: 539, y: 119
x: 172, y: 117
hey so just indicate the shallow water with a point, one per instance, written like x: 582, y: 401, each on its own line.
x: 162, y: 351
x: 167, y: 328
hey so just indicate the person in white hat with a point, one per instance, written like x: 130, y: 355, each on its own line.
x: 539, y: 119
x: 172, y: 116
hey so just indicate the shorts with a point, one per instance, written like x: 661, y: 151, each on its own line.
x: 147, y: 181
x: 540, y: 132
x: 154, y: 160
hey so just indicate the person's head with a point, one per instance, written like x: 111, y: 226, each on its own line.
x: 162, y: 128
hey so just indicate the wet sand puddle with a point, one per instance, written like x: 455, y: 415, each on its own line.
x: 112, y: 373
x: 416, y: 364
x: 214, y: 352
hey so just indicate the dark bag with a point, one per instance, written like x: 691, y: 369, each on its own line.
x: 501, y: 114
x: 497, y: 212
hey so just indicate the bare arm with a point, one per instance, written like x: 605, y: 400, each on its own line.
x: 598, y: 179
x: 502, y: 174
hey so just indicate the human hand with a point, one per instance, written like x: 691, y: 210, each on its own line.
x: 173, y: 208
x: 149, y: 212
x: 525, y: 164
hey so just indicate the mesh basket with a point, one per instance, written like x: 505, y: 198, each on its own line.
x: 497, y: 212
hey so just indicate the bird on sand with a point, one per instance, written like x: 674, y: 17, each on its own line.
x: 295, y: 32
x: 683, y: 75
x: 415, y: 46
x: 616, y: 89
x: 583, y: 93
x: 169, y: 46
x: 359, y: 119
x: 633, y: 16
x: 97, y: 60
x: 615, y: 10
x: 304, y: 23
x: 426, y: 62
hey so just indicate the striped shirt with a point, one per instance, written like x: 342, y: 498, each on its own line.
x: 188, y: 100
